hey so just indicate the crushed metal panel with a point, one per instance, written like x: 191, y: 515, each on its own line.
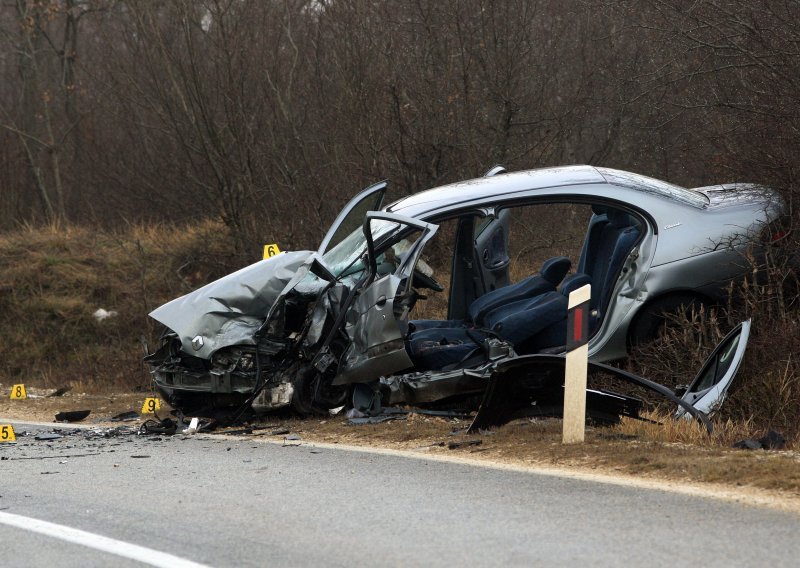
x: 228, y: 311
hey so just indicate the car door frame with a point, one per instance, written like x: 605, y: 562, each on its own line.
x: 348, y: 208
x: 710, y: 398
x: 377, y: 337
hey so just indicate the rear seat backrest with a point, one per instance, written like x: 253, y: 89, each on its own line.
x: 549, y: 277
x: 604, y: 252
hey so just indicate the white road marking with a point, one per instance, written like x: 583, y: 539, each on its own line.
x: 98, y: 542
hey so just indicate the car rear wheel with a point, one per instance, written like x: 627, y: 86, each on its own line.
x: 655, y: 317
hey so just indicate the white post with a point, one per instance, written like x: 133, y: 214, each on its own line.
x: 576, y: 366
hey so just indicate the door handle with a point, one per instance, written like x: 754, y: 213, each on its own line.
x: 381, y: 302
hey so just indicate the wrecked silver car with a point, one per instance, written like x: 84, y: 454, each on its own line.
x: 498, y: 256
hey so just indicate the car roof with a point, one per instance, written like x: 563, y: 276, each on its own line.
x: 428, y: 202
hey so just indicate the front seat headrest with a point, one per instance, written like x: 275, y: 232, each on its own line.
x: 554, y: 269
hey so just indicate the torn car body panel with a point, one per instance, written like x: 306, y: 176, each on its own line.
x: 534, y: 386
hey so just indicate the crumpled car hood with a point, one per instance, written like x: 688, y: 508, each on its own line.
x: 228, y: 311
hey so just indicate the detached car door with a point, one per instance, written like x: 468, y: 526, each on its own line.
x: 709, y: 387
x: 377, y: 321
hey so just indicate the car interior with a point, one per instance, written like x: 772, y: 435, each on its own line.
x: 531, y: 314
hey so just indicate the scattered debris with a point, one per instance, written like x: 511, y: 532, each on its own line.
x: 167, y: 426
x: 100, y: 314
x: 110, y: 432
x: 127, y: 416
x: 292, y: 437
x: 279, y: 432
x: 60, y: 391
x: 72, y: 415
x: 772, y: 440
x: 747, y: 444
x: 240, y: 431
x: 464, y: 444
x: 375, y: 419
x: 48, y: 436
x: 139, y: 457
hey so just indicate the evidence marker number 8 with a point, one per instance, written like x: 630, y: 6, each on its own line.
x: 18, y: 392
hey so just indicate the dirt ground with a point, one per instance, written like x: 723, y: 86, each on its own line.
x: 759, y: 476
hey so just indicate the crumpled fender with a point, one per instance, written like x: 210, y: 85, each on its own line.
x: 230, y: 310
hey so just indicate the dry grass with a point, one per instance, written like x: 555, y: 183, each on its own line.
x: 54, y: 278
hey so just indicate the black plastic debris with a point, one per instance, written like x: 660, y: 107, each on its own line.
x: 167, y: 426
x: 773, y: 441
x: 747, y: 444
x: 441, y: 413
x: 128, y: 416
x: 72, y: 415
x: 48, y: 436
x: 60, y: 391
x: 239, y: 432
x: 366, y: 401
x: 464, y: 444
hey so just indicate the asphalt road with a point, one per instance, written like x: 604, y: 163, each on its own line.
x: 223, y: 502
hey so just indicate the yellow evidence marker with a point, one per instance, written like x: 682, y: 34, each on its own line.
x: 151, y: 405
x: 7, y: 433
x: 270, y: 250
x: 18, y: 392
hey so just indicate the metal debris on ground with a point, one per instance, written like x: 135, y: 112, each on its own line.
x: 376, y: 419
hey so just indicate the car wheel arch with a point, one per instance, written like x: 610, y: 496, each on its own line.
x: 648, y: 317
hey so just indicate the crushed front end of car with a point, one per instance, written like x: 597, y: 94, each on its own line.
x: 246, y: 341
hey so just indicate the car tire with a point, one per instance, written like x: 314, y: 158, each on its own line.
x: 651, y: 320
x: 314, y: 393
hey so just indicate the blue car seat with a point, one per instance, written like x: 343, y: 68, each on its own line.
x: 611, y: 236
x: 546, y: 280
x: 529, y: 325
